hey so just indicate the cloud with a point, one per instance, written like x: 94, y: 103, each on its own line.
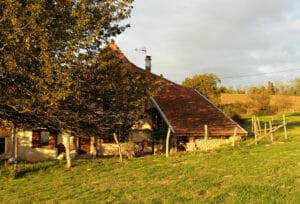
x: 225, y: 37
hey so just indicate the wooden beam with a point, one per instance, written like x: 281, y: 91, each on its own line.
x: 168, y: 142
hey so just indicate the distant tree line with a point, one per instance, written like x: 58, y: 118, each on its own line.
x: 291, y: 88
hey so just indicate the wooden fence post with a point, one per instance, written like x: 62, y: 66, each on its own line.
x: 284, y: 126
x: 271, y: 135
x: 255, y: 132
x: 234, y: 135
x: 252, y: 123
x: 259, y: 127
x: 205, y: 137
x: 265, y: 128
x: 167, y: 142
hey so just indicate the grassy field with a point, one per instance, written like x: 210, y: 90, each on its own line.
x: 266, y: 173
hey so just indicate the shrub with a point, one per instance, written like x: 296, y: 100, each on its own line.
x: 129, y: 149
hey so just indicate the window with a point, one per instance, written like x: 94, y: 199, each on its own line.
x: 44, y: 138
x: 2, y: 145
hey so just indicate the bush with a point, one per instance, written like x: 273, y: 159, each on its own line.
x: 129, y: 149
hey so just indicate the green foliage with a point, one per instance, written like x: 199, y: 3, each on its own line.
x: 205, y: 84
x: 55, y: 72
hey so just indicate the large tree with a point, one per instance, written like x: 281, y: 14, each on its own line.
x: 205, y: 84
x: 41, y: 43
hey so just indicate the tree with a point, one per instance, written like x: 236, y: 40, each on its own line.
x: 297, y: 86
x: 41, y: 41
x: 205, y: 84
x: 260, y: 102
x: 271, y: 88
x: 112, y: 95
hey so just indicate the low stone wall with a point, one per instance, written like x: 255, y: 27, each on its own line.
x: 199, y: 144
x: 109, y: 149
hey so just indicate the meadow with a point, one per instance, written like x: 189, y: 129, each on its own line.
x: 263, y: 173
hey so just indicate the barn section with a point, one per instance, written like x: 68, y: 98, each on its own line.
x: 186, y: 112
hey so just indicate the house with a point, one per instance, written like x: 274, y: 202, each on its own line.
x: 184, y: 111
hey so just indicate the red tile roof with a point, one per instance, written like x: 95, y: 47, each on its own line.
x: 186, y: 110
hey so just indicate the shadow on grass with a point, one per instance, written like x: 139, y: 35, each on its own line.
x: 294, y: 114
x: 24, y: 169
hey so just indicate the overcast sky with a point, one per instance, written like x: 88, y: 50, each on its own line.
x: 229, y: 38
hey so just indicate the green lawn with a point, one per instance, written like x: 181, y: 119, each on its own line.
x: 266, y: 173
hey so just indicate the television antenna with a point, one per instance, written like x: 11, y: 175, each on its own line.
x: 142, y: 50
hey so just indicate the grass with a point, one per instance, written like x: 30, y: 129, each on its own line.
x: 266, y: 173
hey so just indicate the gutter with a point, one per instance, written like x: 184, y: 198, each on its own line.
x: 163, y: 115
x: 221, y: 111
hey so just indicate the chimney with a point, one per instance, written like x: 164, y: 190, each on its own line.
x: 148, y: 63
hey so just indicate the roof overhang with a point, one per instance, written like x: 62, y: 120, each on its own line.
x: 162, y: 114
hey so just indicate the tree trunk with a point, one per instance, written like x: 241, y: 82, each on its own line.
x: 119, y: 146
x: 66, y: 138
x: 15, y: 146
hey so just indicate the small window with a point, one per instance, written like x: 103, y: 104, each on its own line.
x: 2, y: 145
x: 44, y: 138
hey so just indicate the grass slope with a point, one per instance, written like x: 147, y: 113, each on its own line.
x: 266, y: 173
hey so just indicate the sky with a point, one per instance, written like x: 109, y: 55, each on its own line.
x: 243, y: 42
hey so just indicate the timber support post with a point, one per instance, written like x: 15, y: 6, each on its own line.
x: 168, y: 142
x: 205, y: 137
x: 234, y: 136
x: 15, y: 145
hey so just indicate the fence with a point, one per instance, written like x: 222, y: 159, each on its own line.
x: 260, y: 133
